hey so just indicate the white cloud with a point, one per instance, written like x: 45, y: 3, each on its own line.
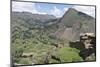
x: 33, y: 8
x: 65, y: 9
x: 90, y: 10
x: 56, y: 12
x: 25, y: 6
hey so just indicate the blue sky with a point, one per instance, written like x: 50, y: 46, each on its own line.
x: 57, y: 10
x: 43, y: 7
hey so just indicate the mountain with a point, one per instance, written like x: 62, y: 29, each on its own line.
x: 44, y: 39
x: 68, y: 27
x: 73, y: 23
x: 25, y: 22
x: 27, y: 15
x: 29, y: 20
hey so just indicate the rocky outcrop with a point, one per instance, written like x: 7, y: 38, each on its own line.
x: 86, y: 45
x: 88, y: 39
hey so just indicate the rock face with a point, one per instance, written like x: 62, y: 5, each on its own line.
x: 86, y: 45
x: 88, y: 39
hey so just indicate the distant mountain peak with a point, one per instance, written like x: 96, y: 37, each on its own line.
x: 72, y: 10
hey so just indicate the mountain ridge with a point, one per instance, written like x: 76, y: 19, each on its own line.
x: 73, y: 22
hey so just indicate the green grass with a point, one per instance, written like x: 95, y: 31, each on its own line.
x: 53, y: 61
x: 68, y: 54
x: 40, y: 45
x: 25, y: 61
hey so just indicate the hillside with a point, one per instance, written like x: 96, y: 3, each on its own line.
x: 45, y: 39
x: 73, y: 23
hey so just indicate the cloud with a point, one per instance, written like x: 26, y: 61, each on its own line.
x: 65, y: 9
x: 34, y: 8
x: 90, y: 10
x: 25, y: 6
x: 58, y: 12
